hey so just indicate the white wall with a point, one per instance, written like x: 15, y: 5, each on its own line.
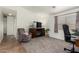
x: 42, y: 17
x: 60, y: 34
x: 25, y: 17
x: 1, y: 26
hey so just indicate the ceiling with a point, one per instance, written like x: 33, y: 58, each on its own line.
x: 49, y: 9
x: 8, y: 12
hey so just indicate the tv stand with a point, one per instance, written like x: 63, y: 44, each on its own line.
x: 37, y: 32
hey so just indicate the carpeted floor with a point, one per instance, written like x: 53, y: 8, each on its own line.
x: 45, y: 45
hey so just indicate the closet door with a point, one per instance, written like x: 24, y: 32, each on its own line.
x: 10, y: 25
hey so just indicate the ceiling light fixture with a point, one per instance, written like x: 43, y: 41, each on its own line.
x: 10, y: 14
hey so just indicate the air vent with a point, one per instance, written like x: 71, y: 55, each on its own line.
x: 53, y: 6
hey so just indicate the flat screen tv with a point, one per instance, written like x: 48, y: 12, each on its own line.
x: 39, y: 25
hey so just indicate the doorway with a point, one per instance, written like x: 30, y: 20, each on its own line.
x: 9, y: 26
x: 4, y: 26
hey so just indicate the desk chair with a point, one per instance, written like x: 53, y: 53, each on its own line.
x: 68, y: 37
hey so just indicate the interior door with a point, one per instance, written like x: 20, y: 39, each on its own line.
x: 10, y: 25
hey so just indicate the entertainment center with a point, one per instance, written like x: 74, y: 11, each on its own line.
x: 37, y: 31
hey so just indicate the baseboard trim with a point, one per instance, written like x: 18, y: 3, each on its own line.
x: 56, y: 38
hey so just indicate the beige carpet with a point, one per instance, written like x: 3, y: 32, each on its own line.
x: 45, y: 45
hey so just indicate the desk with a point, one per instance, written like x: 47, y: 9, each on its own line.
x: 77, y: 43
x: 77, y: 39
x: 76, y: 33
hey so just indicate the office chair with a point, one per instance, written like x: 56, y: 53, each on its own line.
x: 68, y: 37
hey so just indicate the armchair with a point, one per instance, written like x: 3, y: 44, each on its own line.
x: 23, y: 36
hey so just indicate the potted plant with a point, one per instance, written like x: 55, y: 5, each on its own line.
x: 46, y: 32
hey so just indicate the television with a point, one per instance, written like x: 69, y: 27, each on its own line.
x: 38, y: 24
